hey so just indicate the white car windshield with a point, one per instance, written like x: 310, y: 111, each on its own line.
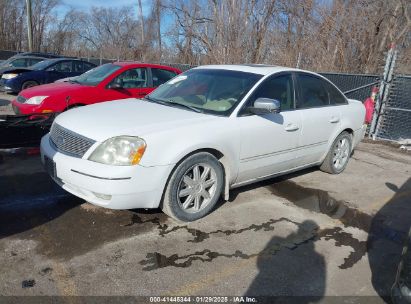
x: 213, y: 91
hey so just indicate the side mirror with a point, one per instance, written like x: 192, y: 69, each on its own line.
x: 115, y: 85
x: 265, y: 106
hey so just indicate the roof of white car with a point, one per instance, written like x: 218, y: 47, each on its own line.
x: 261, y: 69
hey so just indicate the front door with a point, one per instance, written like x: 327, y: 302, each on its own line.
x: 270, y: 141
x: 133, y: 83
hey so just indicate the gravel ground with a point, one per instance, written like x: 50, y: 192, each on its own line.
x: 5, y: 107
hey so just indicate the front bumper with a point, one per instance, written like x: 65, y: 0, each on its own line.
x: 21, y: 108
x: 5, y: 86
x: 114, y: 187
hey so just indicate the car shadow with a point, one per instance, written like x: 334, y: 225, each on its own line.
x: 28, y: 196
x: 388, y: 231
x: 301, y: 281
x: 268, y: 182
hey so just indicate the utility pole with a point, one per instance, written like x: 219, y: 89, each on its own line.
x: 158, y: 4
x: 140, y: 10
x: 29, y: 25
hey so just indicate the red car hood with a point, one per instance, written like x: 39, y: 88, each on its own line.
x: 52, y: 89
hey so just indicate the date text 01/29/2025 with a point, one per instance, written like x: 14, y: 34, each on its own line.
x: 201, y: 299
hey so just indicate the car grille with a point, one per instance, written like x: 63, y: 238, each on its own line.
x: 21, y: 99
x: 69, y: 142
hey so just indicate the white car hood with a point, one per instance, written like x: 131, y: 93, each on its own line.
x: 132, y: 117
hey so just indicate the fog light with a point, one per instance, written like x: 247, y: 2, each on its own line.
x: 105, y: 197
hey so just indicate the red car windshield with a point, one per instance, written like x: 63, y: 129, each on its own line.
x: 95, y: 76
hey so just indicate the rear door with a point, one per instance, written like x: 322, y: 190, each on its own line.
x: 320, y: 118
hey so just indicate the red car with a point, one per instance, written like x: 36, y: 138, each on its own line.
x: 110, y: 81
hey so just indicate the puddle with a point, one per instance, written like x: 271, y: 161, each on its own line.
x: 320, y: 201
x: 156, y: 260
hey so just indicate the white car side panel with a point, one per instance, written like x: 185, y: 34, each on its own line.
x: 268, y: 143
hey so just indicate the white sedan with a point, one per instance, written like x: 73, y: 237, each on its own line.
x: 202, y: 133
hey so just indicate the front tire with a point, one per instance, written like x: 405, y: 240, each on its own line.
x: 29, y: 84
x: 194, y: 188
x: 339, y: 154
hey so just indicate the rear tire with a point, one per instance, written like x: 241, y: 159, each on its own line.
x: 194, y: 188
x: 29, y: 84
x: 339, y: 154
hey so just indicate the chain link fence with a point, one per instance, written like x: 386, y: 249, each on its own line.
x: 355, y: 86
x: 395, y: 121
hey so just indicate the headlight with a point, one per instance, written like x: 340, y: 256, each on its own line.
x: 35, y: 100
x: 120, y: 151
x: 9, y: 76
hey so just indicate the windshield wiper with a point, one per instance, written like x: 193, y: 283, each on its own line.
x: 171, y: 102
x: 186, y: 106
x: 155, y: 100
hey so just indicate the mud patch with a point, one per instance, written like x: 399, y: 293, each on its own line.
x: 28, y: 283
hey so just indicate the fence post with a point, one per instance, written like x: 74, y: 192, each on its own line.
x: 384, y: 91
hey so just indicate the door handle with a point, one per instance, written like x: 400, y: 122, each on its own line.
x: 334, y: 119
x: 291, y: 127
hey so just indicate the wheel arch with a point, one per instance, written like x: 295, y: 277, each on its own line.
x: 341, y: 130
x: 27, y: 80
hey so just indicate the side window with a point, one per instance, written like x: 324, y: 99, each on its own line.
x: 161, y: 76
x: 313, y: 92
x: 18, y: 63
x: 87, y: 66
x: 35, y: 60
x: 78, y: 66
x: 335, y: 96
x: 276, y: 87
x: 64, y: 67
x: 133, y: 78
